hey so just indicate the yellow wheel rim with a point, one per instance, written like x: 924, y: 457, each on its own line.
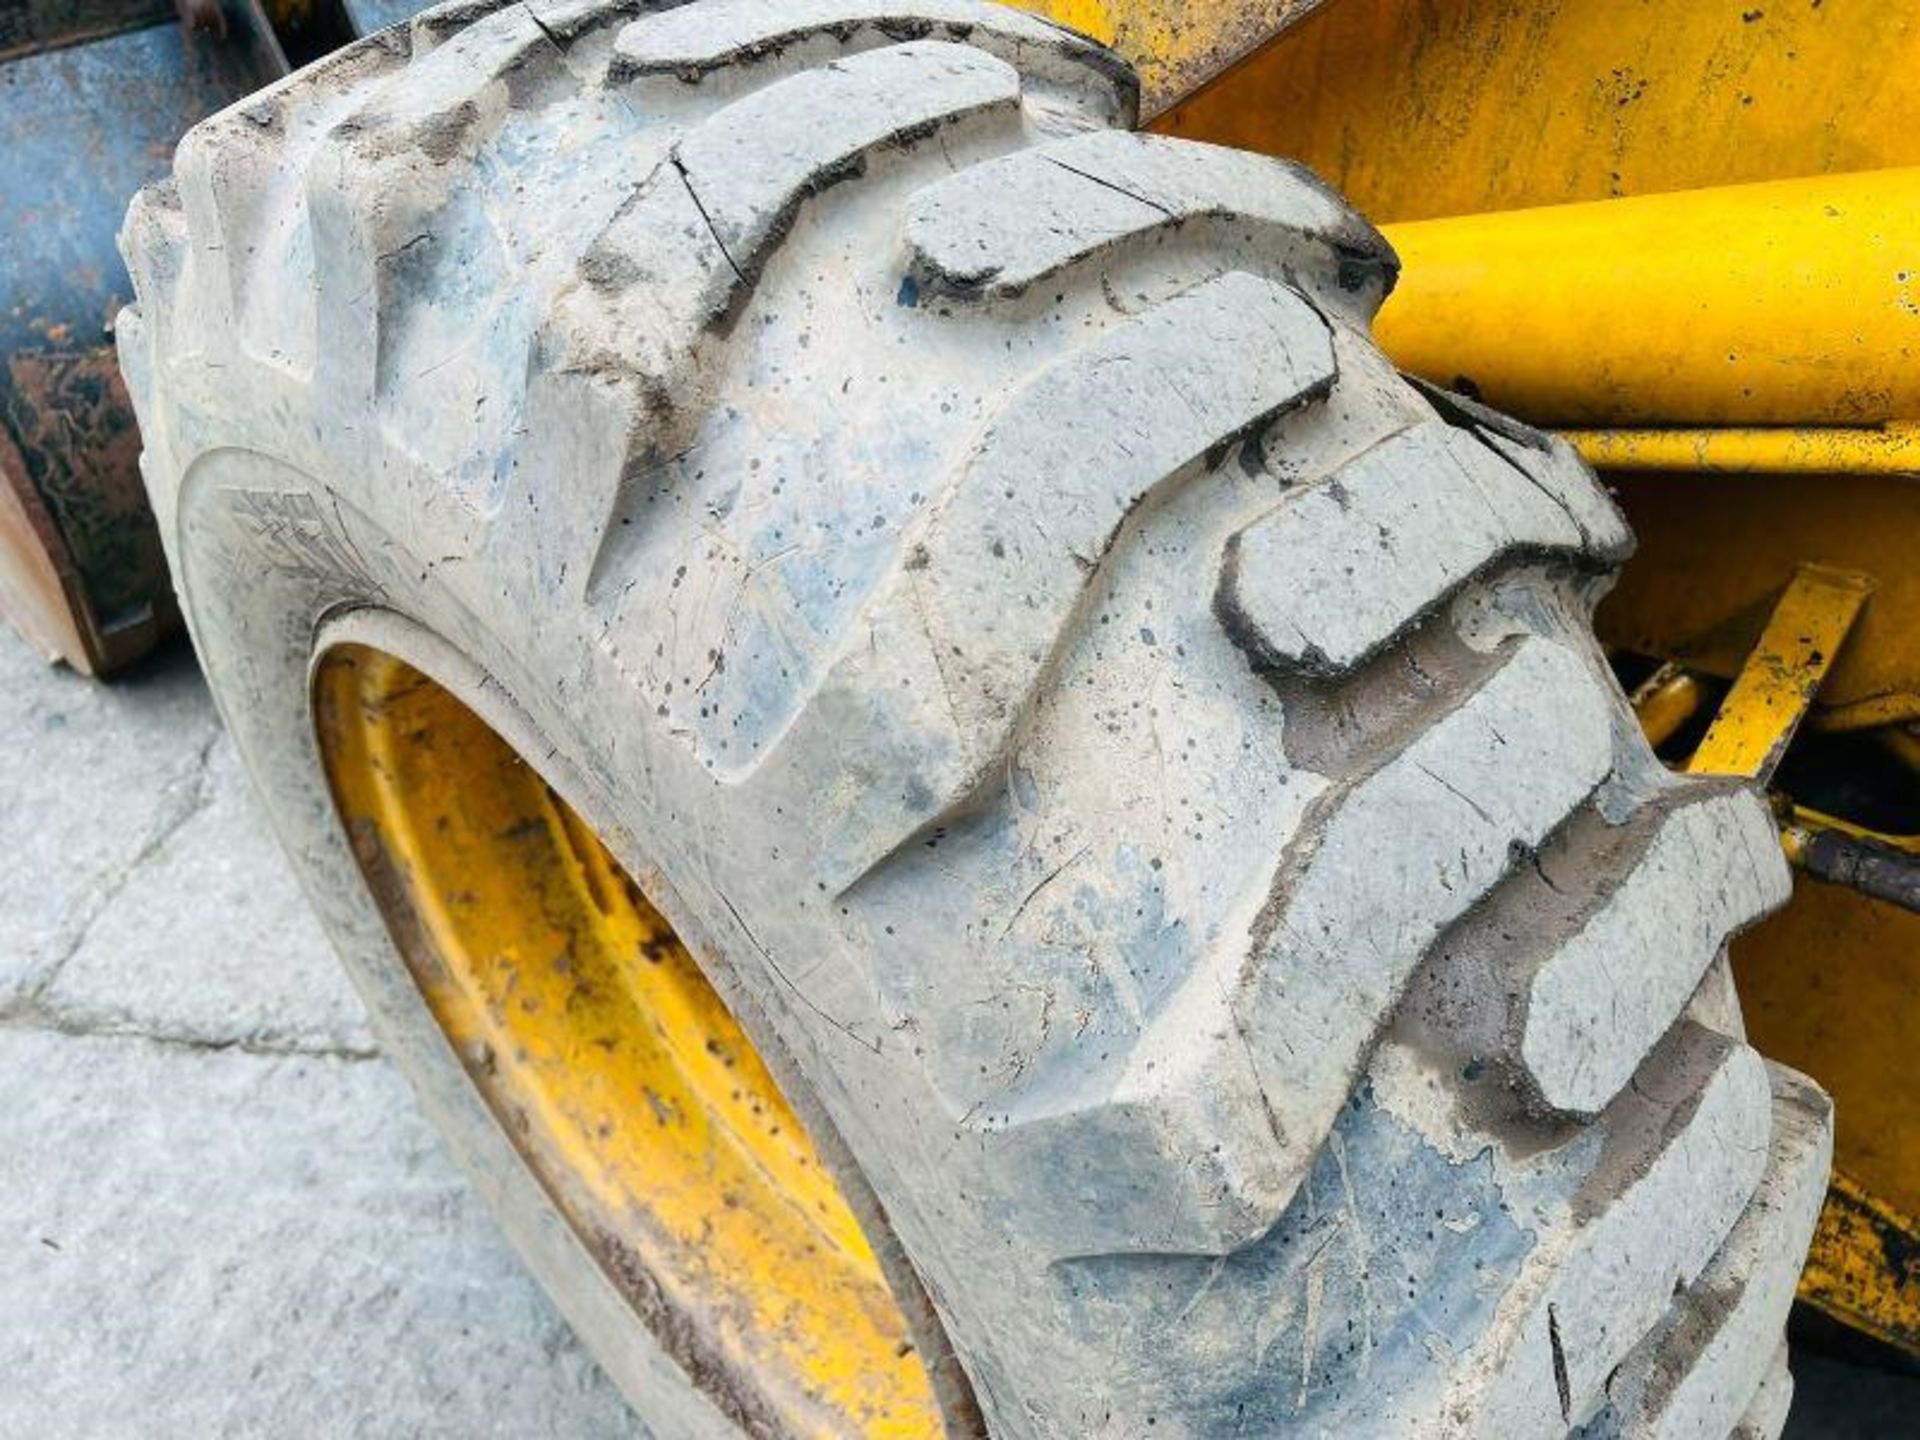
x: 625, y: 1082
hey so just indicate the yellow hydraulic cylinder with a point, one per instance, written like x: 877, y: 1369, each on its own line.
x: 1892, y: 449
x: 1793, y: 302
x: 1666, y: 700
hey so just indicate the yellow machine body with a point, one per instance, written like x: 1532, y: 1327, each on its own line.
x: 1682, y: 232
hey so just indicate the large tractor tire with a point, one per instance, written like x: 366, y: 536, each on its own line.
x: 965, y: 809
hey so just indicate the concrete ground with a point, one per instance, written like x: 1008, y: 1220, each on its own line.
x: 220, y: 1214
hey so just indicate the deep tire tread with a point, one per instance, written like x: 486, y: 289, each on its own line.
x: 1415, y: 611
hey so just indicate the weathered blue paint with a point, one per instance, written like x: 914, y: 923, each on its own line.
x: 371, y: 15
x: 83, y: 127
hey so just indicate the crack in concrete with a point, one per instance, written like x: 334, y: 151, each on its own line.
x: 34, y: 1017
x: 196, y: 781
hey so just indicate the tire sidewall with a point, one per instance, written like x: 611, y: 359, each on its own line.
x: 274, y: 569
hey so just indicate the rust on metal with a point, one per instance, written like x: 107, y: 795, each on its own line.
x: 96, y: 94
x: 70, y: 466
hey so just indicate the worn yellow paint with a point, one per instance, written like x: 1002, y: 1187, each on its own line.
x: 1828, y: 987
x: 1090, y: 17
x: 1176, y: 46
x: 1775, y: 688
x: 1864, y: 1267
x: 1892, y: 449
x: 1792, y: 302
x: 597, y: 1039
x: 1421, y: 108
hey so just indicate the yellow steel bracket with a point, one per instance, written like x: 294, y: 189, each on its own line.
x: 1775, y: 688
x: 1864, y: 1266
